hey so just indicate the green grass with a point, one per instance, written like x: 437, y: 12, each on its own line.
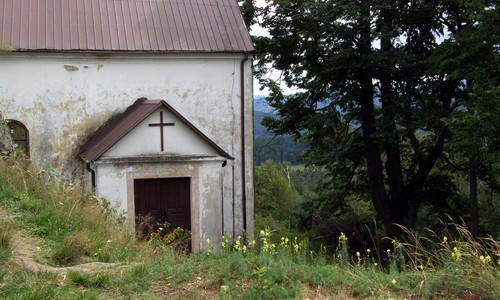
x: 5, y: 241
x: 74, y: 227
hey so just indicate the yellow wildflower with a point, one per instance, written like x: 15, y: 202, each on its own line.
x: 396, y: 244
x: 485, y: 259
x: 455, y: 254
x: 342, y: 238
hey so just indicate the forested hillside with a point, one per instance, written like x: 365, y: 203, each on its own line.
x: 268, y: 146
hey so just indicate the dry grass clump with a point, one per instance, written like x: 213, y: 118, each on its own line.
x: 455, y: 258
x: 5, y: 240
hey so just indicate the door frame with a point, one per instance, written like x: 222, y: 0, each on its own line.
x: 170, y: 171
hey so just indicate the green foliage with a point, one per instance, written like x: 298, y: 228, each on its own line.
x: 38, y: 285
x: 441, y: 200
x: 247, y: 8
x: 424, y: 267
x: 472, y: 58
x: 385, y: 90
x: 275, y: 196
x: 455, y: 259
x: 268, y: 267
x: 176, y: 238
x: 73, y: 246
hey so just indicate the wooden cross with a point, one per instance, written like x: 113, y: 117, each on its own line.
x: 161, y: 125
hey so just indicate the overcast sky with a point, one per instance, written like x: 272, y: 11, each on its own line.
x: 257, y: 30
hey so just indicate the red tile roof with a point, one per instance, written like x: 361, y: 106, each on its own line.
x: 123, y: 25
x: 108, y: 135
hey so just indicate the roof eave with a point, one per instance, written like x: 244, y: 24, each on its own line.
x: 95, y: 156
x: 98, y: 154
x: 250, y: 51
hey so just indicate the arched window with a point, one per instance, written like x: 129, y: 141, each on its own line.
x: 20, y: 136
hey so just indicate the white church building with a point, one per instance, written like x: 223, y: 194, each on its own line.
x: 149, y: 100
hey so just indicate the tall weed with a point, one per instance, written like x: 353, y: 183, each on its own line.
x: 454, y: 260
x: 5, y: 241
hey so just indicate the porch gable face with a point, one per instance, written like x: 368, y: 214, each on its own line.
x: 161, y: 133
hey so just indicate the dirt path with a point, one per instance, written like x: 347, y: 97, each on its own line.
x: 24, y: 252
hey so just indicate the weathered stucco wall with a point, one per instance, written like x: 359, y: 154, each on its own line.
x: 63, y: 98
x: 6, y: 144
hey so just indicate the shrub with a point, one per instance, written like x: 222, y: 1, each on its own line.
x: 71, y: 248
x: 179, y: 239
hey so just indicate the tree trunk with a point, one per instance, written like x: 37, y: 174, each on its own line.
x: 413, y: 190
x: 371, y: 148
x: 391, y: 142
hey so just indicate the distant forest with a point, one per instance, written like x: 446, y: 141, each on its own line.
x: 278, y: 149
x: 268, y: 146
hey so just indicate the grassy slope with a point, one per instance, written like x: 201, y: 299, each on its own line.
x: 76, y: 229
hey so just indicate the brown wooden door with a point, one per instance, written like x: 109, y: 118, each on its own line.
x: 164, y: 200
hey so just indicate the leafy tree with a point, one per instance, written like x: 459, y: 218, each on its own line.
x: 248, y: 10
x: 375, y: 108
x: 275, y: 195
x: 471, y: 55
